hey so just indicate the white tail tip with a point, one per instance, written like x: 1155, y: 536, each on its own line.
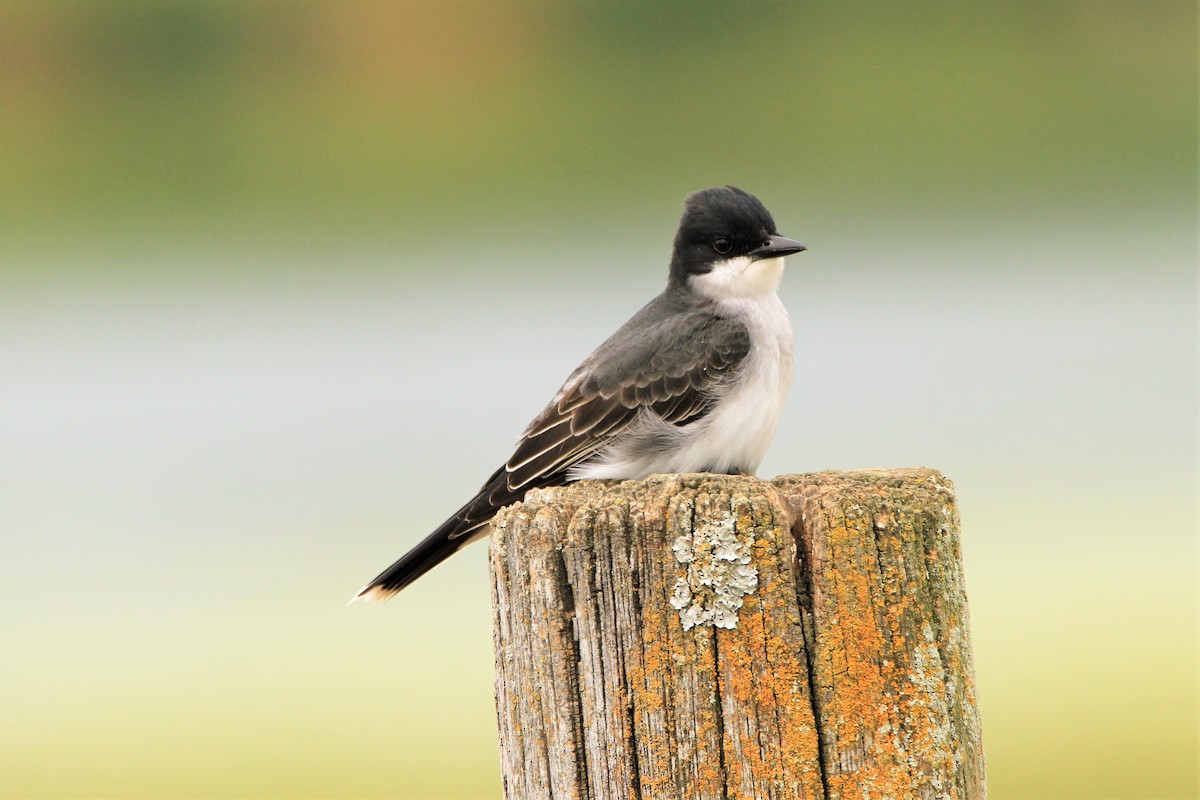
x: 371, y: 594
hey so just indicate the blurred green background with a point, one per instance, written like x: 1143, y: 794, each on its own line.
x: 281, y: 282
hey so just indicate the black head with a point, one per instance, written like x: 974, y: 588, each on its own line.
x: 723, y: 223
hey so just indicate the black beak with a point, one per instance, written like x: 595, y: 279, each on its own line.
x: 776, y: 247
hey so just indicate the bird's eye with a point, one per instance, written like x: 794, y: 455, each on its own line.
x: 722, y: 245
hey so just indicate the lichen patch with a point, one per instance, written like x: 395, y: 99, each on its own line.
x: 719, y: 574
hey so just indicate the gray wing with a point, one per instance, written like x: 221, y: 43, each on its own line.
x: 667, y: 359
x: 669, y: 366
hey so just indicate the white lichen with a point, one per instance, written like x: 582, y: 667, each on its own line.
x: 719, y: 575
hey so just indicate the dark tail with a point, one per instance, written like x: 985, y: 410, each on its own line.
x: 433, y: 550
x: 467, y: 524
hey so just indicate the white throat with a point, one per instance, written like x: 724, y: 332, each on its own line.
x: 739, y: 278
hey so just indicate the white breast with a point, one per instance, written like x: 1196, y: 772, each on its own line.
x: 735, y: 435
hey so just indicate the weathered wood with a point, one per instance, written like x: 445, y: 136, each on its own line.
x: 705, y: 636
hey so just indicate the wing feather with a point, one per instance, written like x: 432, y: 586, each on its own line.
x: 669, y: 367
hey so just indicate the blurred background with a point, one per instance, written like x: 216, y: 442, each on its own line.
x: 281, y: 283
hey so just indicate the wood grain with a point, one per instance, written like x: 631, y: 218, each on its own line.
x: 704, y: 636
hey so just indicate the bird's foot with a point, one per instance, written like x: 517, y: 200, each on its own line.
x: 730, y: 471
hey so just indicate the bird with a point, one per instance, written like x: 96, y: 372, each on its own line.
x: 694, y: 382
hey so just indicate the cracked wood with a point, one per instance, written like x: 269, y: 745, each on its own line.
x: 844, y: 673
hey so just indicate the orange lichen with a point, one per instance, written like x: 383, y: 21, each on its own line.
x: 764, y: 677
x: 881, y: 668
x: 731, y: 712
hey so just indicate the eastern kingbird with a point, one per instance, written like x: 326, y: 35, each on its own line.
x: 694, y: 382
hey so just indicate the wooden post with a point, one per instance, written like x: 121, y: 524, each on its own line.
x: 705, y: 636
